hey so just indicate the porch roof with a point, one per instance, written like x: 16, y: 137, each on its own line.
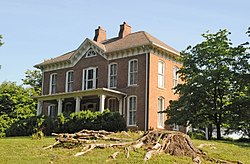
x: 98, y: 91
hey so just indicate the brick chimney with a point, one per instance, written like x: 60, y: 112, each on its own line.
x: 100, y: 34
x: 125, y: 29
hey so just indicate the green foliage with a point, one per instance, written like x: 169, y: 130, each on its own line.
x: 197, y: 135
x: 15, y: 104
x: 107, y: 120
x: 1, y: 43
x: 33, y: 78
x: 214, y: 72
x: 38, y: 126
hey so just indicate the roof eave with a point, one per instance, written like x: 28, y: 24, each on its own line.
x: 167, y: 49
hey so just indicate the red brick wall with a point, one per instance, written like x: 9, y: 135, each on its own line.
x: 138, y: 90
x: 122, y: 79
x: 155, y: 92
x: 96, y: 61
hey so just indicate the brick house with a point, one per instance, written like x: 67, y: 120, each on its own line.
x: 132, y: 74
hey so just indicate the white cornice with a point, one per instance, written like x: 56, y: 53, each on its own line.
x: 87, y: 44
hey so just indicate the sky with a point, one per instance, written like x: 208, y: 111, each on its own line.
x: 37, y: 30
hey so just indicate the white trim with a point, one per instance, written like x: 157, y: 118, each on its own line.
x: 94, y: 78
x: 166, y: 49
x: 162, y: 74
x: 146, y: 94
x: 50, y: 83
x: 175, y: 76
x: 160, y: 115
x: 128, y: 110
x: 39, y: 107
x: 49, y: 108
x: 42, y: 82
x: 66, y: 82
x: 129, y: 62
x: 109, y: 70
x: 78, y: 104
x: 90, y: 50
x: 102, y: 103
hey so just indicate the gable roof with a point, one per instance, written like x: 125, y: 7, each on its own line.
x: 132, y: 40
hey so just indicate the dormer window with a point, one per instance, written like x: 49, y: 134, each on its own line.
x: 90, y: 53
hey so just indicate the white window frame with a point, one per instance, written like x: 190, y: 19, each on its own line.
x: 175, y: 76
x: 134, y: 73
x: 90, y: 53
x: 67, y: 82
x: 112, y: 77
x: 50, y: 83
x: 133, y: 110
x: 85, y: 83
x: 160, y: 117
x: 161, y: 72
x: 50, y: 107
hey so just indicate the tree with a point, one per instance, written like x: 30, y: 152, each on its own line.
x: 1, y: 43
x: 15, y: 104
x: 33, y: 78
x: 213, y: 72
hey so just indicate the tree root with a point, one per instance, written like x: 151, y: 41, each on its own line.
x: 155, y: 142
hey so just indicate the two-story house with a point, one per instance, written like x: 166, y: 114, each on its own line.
x: 133, y: 74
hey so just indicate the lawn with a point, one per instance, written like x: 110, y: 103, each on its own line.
x: 26, y: 150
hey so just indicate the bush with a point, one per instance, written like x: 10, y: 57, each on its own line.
x: 63, y: 123
x: 197, y: 134
x: 109, y: 121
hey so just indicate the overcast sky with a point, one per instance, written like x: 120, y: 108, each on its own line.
x: 38, y: 30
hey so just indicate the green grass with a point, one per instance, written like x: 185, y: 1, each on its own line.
x: 25, y: 150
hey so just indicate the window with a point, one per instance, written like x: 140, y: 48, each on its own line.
x: 91, y: 53
x: 69, y: 81
x: 112, y: 105
x: 69, y: 108
x: 112, y: 75
x: 161, y: 106
x: 52, y: 111
x: 90, y: 106
x: 161, y: 71
x: 89, y: 78
x: 53, y: 83
x: 133, y: 72
x: 175, y: 76
x: 132, y: 106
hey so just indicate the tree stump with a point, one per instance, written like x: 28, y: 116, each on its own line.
x: 154, y: 142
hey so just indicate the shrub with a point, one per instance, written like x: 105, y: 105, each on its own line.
x: 37, y: 126
x: 197, y: 134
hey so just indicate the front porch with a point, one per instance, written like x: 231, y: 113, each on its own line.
x: 94, y: 100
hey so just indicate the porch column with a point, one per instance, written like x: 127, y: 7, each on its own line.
x: 102, y: 102
x: 59, y: 106
x: 78, y: 101
x: 120, y: 106
x: 39, y: 108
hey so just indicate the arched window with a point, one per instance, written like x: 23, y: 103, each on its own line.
x: 112, y: 81
x: 52, y: 111
x: 53, y: 83
x: 133, y: 72
x: 132, y: 108
x: 161, y: 107
x: 161, y: 71
x: 69, y: 81
x: 175, y: 76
